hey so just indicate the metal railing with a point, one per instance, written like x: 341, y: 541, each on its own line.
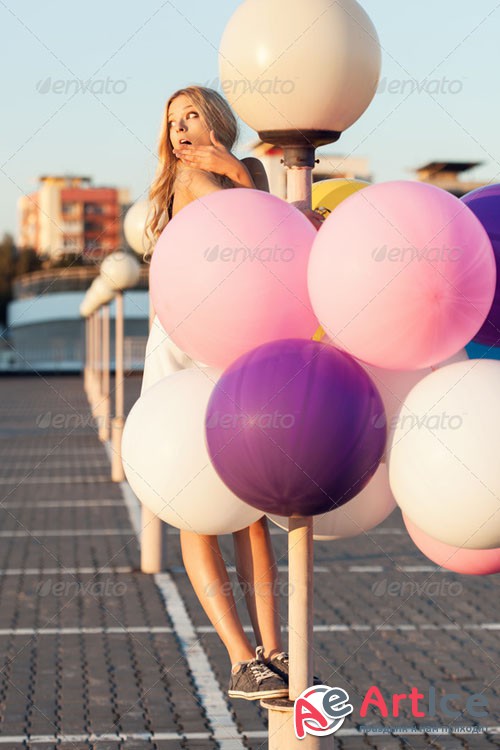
x: 63, y: 280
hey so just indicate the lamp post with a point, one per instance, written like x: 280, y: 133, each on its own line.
x: 85, y: 313
x: 120, y: 271
x: 324, y: 59
x: 134, y: 228
x: 88, y: 309
x: 103, y: 294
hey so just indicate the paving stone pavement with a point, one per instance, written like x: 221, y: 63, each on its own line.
x: 88, y: 654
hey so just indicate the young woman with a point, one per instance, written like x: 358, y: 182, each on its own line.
x: 197, y: 135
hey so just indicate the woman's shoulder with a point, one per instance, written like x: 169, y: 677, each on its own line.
x: 191, y: 184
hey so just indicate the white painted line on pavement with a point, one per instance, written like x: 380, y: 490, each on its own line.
x: 39, y: 739
x: 64, y: 504
x: 232, y: 569
x: 207, y: 688
x: 56, y: 480
x: 396, y: 569
x: 206, y: 683
x: 63, y: 571
x: 67, y: 532
x: 208, y: 629
x: 85, y: 631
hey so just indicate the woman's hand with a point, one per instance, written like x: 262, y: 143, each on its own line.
x: 314, y: 217
x: 214, y: 158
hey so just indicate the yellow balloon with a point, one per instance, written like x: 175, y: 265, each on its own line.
x: 329, y: 193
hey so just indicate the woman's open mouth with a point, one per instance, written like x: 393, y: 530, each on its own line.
x: 185, y: 142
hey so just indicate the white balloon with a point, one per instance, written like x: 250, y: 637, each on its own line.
x: 134, y: 227
x: 166, y: 460
x: 299, y: 64
x: 365, y: 511
x: 395, y: 385
x: 444, y: 467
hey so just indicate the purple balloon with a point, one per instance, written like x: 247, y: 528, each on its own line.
x: 295, y: 427
x: 485, y: 204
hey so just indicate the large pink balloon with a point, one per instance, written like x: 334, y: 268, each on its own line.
x: 401, y: 276
x: 476, y: 562
x: 229, y: 273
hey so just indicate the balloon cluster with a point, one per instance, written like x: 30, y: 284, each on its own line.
x: 385, y: 408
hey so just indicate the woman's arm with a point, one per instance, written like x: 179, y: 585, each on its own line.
x: 238, y: 172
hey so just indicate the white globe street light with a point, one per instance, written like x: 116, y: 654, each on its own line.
x: 101, y: 291
x: 134, y: 227
x: 299, y: 72
x: 120, y: 270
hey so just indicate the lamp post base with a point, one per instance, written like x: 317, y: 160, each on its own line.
x: 151, y: 542
x: 104, y: 422
x: 281, y: 731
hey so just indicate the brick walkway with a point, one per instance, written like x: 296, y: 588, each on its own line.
x: 88, y: 650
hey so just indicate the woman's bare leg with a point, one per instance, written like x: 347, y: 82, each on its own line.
x: 208, y: 575
x: 258, y: 577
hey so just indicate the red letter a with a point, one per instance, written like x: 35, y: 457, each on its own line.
x: 303, y: 711
x: 374, y: 697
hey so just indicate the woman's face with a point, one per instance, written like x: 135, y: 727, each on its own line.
x: 185, y: 122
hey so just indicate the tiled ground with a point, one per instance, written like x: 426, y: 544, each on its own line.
x: 86, y: 646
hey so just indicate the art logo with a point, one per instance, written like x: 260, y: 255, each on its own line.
x: 320, y: 710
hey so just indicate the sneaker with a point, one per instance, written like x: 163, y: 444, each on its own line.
x: 279, y: 665
x: 255, y: 680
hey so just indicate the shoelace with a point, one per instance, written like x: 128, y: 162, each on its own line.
x: 282, y: 657
x: 260, y: 671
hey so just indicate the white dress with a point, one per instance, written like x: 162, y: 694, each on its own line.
x: 163, y: 357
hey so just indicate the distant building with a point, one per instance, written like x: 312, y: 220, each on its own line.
x: 445, y: 174
x: 329, y: 165
x: 68, y: 215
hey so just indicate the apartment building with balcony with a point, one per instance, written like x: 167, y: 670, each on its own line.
x: 68, y: 215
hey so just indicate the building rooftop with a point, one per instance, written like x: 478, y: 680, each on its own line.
x: 455, y: 167
x: 81, y: 178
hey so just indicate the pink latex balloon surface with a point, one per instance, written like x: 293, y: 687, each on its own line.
x: 401, y: 276
x: 478, y: 562
x: 229, y: 273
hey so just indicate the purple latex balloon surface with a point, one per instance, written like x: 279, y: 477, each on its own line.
x: 485, y: 204
x: 295, y: 427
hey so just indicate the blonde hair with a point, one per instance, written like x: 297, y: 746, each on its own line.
x: 219, y: 118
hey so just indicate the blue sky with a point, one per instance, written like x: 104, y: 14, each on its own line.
x: 136, y: 54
